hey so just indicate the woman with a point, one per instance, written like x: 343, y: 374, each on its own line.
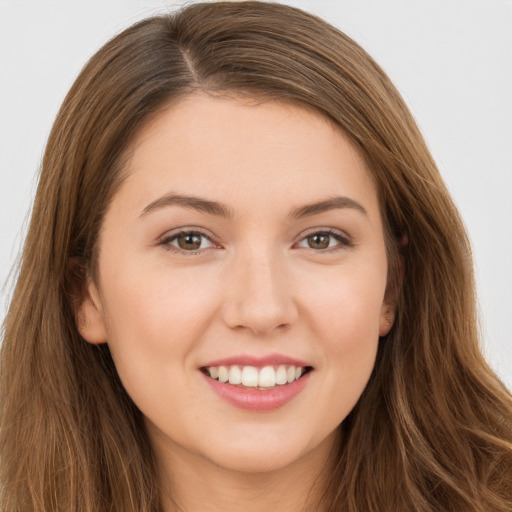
x: 244, y: 285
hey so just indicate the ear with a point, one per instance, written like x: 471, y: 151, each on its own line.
x: 387, y: 317
x: 89, y: 316
x: 389, y: 305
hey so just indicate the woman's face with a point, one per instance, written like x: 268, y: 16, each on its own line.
x: 246, y: 243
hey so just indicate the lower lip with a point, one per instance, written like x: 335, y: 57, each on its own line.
x: 255, y: 399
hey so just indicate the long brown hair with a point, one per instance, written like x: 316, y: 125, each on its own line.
x: 433, y: 428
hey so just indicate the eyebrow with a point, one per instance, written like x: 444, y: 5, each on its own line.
x: 332, y: 203
x: 196, y: 203
x: 221, y: 210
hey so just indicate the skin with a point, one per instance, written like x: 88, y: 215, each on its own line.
x: 261, y: 287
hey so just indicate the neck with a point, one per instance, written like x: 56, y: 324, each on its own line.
x: 191, y: 484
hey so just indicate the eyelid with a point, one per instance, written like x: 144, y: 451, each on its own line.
x: 169, y: 236
x: 343, y: 238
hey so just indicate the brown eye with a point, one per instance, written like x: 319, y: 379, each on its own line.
x: 189, y: 241
x: 327, y: 241
x: 319, y: 240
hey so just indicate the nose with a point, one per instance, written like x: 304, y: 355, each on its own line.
x: 259, y: 295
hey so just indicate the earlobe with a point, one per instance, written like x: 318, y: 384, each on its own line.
x: 387, y: 318
x: 388, y: 308
x: 89, y: 316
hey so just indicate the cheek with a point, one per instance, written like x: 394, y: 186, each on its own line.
x: 345, y: 318
x: 153, y: 299
x: 346, y: 304
x: 155, y: 317
x: 350, y: 332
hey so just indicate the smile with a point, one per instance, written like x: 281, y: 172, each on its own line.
x: 267, y: 377
x: 257, y: 384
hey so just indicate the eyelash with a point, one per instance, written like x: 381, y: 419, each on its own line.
x: 166, y: 242
x: 344, y: 241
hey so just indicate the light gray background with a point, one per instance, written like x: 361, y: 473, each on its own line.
x: 451, y: 60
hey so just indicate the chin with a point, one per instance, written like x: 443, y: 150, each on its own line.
x: 256, y: 461
x: 270, y: 455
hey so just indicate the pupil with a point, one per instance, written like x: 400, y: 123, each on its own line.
x: 319, y: 241
x: 190, y: 241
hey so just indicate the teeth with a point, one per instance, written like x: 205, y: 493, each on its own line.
x: 267, y: 378
x: 223, y: 374
x: 281, y: 377
x: 235, y: 375
x: 250, y: 376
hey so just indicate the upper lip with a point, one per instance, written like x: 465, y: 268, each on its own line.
x: 257, y: 361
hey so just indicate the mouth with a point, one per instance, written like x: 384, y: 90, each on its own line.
x: 256, y: 378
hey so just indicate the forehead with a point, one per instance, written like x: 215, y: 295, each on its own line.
x: 244, y: 151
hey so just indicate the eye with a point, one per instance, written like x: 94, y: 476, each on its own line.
x: 326, y: 239
x: 188, y: 241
